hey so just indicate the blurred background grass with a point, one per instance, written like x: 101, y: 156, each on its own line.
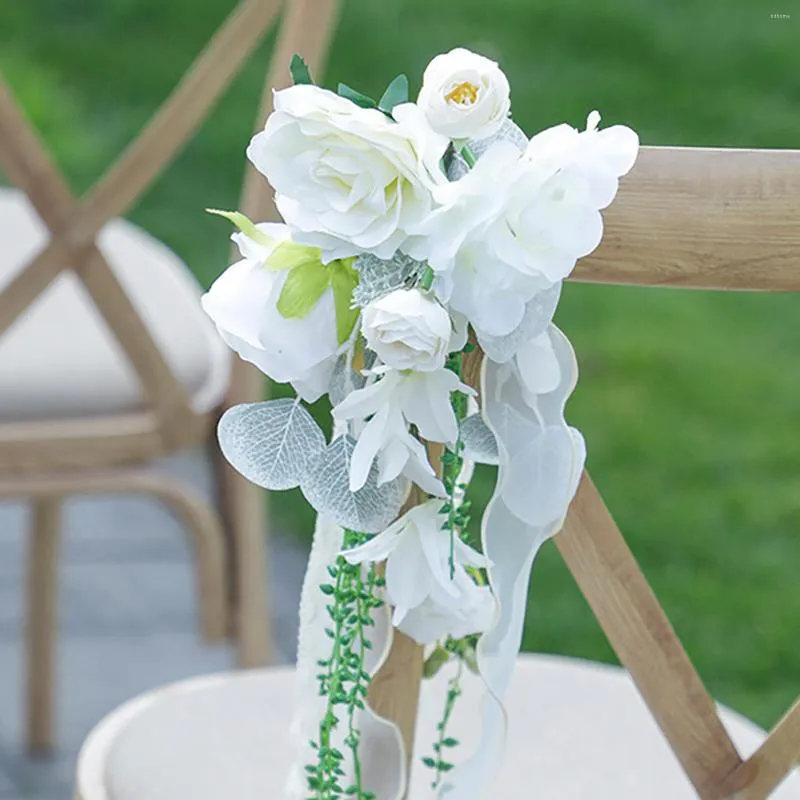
x: 690, y: 401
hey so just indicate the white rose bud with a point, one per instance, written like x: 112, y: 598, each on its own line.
x: 464, y: 95
x: 408, y: 330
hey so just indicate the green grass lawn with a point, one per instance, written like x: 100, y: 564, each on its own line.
x: 690, y: 401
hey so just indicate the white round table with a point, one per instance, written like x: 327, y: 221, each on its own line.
x: 577, y: 731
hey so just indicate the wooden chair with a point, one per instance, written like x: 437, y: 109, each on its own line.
x: 706, y: 218
x: 685, y: 218
x: 154, y: 375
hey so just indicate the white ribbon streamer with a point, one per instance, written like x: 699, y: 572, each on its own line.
x: 541, y: 459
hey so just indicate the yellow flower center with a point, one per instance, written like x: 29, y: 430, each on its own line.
x: 464, y: 94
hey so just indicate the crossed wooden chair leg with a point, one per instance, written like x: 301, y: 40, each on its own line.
x: 200, y: 521
x: 643, y: 638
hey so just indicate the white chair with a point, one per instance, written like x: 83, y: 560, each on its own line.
x: 578, y: 730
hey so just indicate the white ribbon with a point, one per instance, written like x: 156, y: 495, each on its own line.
x: 541, y: 460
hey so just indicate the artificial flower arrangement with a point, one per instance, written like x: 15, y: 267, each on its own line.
x: 413, y: 282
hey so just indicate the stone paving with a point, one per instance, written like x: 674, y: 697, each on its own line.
x: 127, y: 621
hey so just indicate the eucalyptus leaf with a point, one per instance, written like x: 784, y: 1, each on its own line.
x: 356, y: 97
x: 299, y: 71
x: 344, y: 380
x: 395, y: 94
x: 509, y: 132
x: 456, y: 165
x: 378, y: 277
x: 302, y: 289
x: 327, y: 488
x: 480, y: 444
x: 274, y: 444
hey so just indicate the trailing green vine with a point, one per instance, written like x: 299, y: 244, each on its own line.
x: 463, y: 651
x: 452, y: 463
x: 457, y: 522
x: 343, y: 679
x: 438, y: 761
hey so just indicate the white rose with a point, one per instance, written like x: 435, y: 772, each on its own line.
x: 243, y: 304
x: 408, y: 330
x: 348, y: 179
x: 464, y: 95
x: 518, y: 222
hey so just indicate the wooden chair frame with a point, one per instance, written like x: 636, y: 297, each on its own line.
x: 45, y: 461
x: 685, y: 217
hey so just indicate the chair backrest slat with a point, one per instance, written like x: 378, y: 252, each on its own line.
x: 703, y: 218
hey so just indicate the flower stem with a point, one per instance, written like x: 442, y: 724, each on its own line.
x: 452, y: 463
x: 438, y: 762
x: 468, y: 156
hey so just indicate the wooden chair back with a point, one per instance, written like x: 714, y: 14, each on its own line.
x: 693, y: 218
x: 702, y: 218
x: 167, y: 420
x: 685, y: 217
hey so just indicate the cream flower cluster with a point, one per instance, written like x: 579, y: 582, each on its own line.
x: 354, y: 178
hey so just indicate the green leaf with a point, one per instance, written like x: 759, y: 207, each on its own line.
x: 304, y: 286
x: 449, y: 742
x: 343, y: 280
x: 395, y: 94
x: 288, y: 255
x: 468, y: 156
x: 247, y: 227
x: 356, y: 97
x: 298, y: 69
x: 426, y: 279
x: 435, y: 661
x: 429, y: 762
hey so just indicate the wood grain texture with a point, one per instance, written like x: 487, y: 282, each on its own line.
x: 199, y: 517
x: 34, y: 172
x: 155, y: 147
x: 772, y: 762
x: 394, y: 691
x: 41, y: 624
x: 92, y: 443
x: 640, y: 633
x: 307, y: 27
x: 703, y: 218
x: 31, y: 454
x: 179, y: 117
x: 395, y: 688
